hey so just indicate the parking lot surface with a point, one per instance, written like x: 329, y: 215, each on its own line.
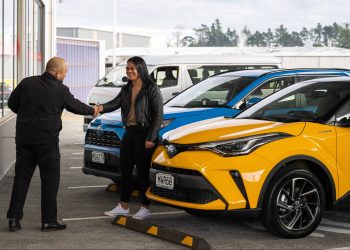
x: 82, y: 200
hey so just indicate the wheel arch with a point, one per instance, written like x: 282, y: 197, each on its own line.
x: 312, y: 165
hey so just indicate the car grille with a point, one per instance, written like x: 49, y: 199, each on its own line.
x: 176, y: 170
x: 105, y: 167
x: 198, y: 196
x: 102, y: 138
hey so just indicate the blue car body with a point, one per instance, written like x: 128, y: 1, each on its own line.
x: 105, y: 132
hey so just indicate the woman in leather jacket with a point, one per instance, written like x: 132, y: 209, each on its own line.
x: 141, y: 106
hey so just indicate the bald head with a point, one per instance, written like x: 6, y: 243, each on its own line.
x: 57, y: 67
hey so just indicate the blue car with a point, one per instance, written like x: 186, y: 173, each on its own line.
x: 225, y: 94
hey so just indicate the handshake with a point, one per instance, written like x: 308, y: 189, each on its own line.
x: 98, y: 109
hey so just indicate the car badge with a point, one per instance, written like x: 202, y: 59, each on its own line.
x: 171, y: 150
x: 99, y: 130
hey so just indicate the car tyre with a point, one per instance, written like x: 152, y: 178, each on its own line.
x: 294, y: 203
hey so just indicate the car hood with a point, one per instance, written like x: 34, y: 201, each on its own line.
x: 220, y: 129
x: 102, y: 94
x: 114, y: 118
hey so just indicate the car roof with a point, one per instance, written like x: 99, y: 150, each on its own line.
x: 264, y: 72
x: 210, y: 59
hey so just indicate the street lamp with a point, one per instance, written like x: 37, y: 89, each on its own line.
x: 114, y: 41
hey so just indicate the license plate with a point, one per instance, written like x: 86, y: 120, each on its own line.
x: 98, y: 157
x: 165, y: 180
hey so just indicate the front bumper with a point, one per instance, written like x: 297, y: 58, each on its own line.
x: 236, y: 181
x: 110, y: 169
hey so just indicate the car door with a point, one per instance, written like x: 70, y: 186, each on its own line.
x: 343, y: 148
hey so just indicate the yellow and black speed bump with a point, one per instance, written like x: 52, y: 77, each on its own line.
x: 114, y: 188
x: 163, y: 233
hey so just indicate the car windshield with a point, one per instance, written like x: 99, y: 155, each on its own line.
x: 212, y: 92
x: 113, y: 78
x: 306, y: 101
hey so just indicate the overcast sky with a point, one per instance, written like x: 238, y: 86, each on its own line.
x: 158, y: 18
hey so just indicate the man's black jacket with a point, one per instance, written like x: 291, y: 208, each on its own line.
x: 148, y: 107
x: 38, y: 102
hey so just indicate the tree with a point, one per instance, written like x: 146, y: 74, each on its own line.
x: 269, y: 37
x: 344, y: 36
x: 282, y: 36
x: 317, y: 35
x: 232, y: 37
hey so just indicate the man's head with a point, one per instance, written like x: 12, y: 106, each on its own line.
x: 57, y: 67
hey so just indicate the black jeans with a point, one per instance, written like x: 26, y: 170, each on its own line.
x: 133, y: 152
x: 47, y: 157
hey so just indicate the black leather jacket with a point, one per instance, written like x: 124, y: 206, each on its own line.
x: 148, y: 107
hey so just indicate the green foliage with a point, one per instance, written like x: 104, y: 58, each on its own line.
x: 319, y: 36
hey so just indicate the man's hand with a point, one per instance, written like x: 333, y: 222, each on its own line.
x: 149, y: 144
x: 98, y: 109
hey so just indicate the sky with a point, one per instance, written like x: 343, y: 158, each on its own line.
x: 161, y: 18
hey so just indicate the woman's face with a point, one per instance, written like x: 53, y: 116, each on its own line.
x: 131, y: 72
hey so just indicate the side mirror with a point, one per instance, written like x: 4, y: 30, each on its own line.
x: 343, y: 121
x: 124, y: 79
x: 175, y: 93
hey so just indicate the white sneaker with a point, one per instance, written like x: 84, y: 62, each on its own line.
x: 142, y: 214
x: 118, y: 210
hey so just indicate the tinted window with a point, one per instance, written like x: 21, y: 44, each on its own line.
x: 213, y: 92
x: 166, y: 76
x: 313, y: 102
x: 199, y: 73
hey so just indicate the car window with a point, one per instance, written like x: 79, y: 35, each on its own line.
x: 166, y: 76
x: 313, y: 102
x: 212, y: 92
x: 199, y: 73
x: 268, y: 88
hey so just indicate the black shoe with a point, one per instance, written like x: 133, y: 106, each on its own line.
x: 45, y: 227
x: 14, y: 225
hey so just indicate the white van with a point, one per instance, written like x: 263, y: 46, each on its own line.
x: 174, y: 73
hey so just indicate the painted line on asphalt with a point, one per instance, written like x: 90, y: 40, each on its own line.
x: 334, y: 223
x: 78, y: 143
x: 75, y: 167
x: 340, y: 248
x: 78, y: 153
x: 87, y: 218
x: 84, y: 187
x: 333, y: 230
x: 317, y: 235
x: 104, y: 217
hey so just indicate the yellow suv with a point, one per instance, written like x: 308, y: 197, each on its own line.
x: 286, y: 158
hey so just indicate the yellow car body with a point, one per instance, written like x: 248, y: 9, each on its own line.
x: 310, y: 142
x: 204, y: 178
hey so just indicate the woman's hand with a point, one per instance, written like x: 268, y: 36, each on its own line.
x: 149, y: 144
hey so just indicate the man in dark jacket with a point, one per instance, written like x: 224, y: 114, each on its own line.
x: 38, y: 102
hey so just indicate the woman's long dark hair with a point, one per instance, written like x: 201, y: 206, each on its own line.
x: 142, y: 70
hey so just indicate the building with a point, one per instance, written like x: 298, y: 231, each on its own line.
x: 27, y: 42
x: 122, y: 39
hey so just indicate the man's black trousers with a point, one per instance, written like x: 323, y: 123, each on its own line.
x: 133, y: 152
x: 47, y: 157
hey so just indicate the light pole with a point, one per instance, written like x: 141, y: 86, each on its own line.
x: 114, y: 41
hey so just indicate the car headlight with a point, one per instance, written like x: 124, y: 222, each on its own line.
x: 241, y: 146
x: 166, y: 122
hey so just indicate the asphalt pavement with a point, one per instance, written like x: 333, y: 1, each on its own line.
x: 82, y: 200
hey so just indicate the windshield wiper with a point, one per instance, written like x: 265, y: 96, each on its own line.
x: 176, y: 106
x: 110, y: 84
